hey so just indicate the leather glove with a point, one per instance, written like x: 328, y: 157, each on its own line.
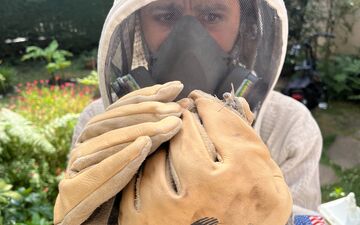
x: 112, y: 147
x: 216, y: 169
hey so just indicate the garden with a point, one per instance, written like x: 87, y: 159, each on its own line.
x: 45, y: 85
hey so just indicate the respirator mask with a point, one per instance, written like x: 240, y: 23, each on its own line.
x: 211, y: 45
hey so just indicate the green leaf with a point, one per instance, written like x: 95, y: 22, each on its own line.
x: 354, y: 97
x: 52, y: 47
x: 12, y: 194
x: 63, y: 65
x: 4, y: 185
x: 340, y: 77
x: 52, y: 67
x: 33, y: 52
x: 65, y: 53
x: 18, y: 127
x: 91, y: 79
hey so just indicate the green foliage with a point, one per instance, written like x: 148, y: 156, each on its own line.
x: 6, y: 194
x: 55, y: 58
x: 349, y: 182
x: 60, y: 137
x: 296, y: 11
x: 6, y: 79
x: 324, y: 16
x: 89, y: 59
x: 91, y: 80
x: 35, y: 138
x: 30, y: 209
x: 338, y: 192
x: 23, y: 163
x: 327, y: 16
x: 19, y: 131
x: 32, y: 160
x: 341, y: 74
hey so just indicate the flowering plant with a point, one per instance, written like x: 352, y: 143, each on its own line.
x: 35, y: 138
x: 41, y: 103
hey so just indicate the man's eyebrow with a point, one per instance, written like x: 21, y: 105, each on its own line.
x: 212, y: 7
x: 166, y: 7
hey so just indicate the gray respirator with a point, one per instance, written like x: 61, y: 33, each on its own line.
x: 192, y: 56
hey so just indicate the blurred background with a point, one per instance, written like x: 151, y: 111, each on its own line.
x: 48, y: 75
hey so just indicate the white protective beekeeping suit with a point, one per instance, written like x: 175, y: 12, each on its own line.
x: 251, y: 61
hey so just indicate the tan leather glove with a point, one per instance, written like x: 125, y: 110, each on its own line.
x: 113, y: 146
x: 217, y: 169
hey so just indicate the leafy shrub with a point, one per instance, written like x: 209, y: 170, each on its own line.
x: 6, y: 79
x: 59, y: 133
x: 41, y: 103
x: 28, y: 208
x: 349, y: 182
x: 32, y: 160
x: 91, y: 80
x: 35, y: 139
x: 341, y: 74
x: 55, y: 57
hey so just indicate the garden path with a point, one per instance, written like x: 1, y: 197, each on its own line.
x: 344, y: 152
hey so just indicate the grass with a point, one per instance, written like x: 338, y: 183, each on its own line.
x: 341, y: 119
x: 349, y: 182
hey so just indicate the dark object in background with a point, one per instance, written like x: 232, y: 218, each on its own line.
x: 306, y: 85
x: 53, y: 81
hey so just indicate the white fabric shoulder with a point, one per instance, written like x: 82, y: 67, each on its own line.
x: 295, y: 142
x: 93, y: 109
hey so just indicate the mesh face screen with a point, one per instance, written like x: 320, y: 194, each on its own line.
x: 250, y: 31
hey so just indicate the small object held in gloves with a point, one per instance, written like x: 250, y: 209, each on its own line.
x: 238, y: 104
x: 231, y: 100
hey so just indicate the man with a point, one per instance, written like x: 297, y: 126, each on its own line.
x: 208, y: 45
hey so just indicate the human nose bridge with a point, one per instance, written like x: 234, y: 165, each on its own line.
x: 188, y: 9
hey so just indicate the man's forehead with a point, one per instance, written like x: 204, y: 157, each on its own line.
x: 195, y: 4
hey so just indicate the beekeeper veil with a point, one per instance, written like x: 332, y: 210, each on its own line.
x: 209, y: 45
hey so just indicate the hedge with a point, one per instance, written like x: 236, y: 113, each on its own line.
x: 76, y: 24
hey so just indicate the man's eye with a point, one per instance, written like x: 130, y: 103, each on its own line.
x: 211, y: 18
x: 167, y: 17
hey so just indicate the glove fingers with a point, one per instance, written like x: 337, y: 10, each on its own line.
x: 162, y: 93
x: 187, y: 103
x: 128, y: 115
x: 159, y: 132
x: 96, y: 184
x: 224, y: 127
x: 86, y: 161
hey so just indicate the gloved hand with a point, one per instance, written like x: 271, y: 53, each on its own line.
x: 113, y: 146
x: 217, y: 169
